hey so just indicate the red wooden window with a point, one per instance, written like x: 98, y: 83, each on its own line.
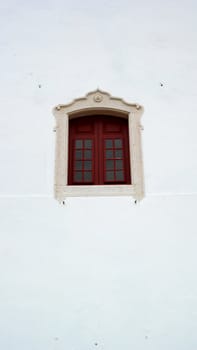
x: 98, y: 151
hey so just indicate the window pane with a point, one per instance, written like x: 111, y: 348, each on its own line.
x: 110, y: 176
x: 118, y: 153
x: 78, y: 165
x: 87, y: 154
x: 87, y: 176
x: 88, y: 165
x: 88, y: 143
x: 109, y: 164
x: 119, y: 175
x: 108, y: 144
x: 78, y: 176
x: 109, y: 154
x: 118, y: 143
x: 119, y: 164
x: 78, y: 155
x: 79, y: 144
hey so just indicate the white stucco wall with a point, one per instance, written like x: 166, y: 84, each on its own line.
x: 98, y: 270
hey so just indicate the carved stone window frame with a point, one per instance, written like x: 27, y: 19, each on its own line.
x: 97, y: 102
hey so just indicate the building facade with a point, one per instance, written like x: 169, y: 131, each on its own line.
x: 98, y: 272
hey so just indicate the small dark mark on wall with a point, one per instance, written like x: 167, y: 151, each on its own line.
x: 161, y: 84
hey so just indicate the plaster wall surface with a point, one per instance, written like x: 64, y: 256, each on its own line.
x: 98, y: 273
x: 52, y: 53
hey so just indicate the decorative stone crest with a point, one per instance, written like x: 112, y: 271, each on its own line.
x: 98, y: 98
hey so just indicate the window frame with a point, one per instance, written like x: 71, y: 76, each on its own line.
x: 98, y: 102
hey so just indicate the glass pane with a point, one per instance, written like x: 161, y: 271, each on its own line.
x: 109, y: 164
x: 88, y: 143
x: 119, y: 175
x: 118, y: 143
x: 119, y: 164
x: 87, y: 176
x: 109, y: 154
x: 78, y: 165
x: 78, y: 176
x: 110, y: 176
x: 78, y: 155
x: 87, y: 154
x: 88, y: 165
x: 118, y: 153
x: 79, y: 144
x: 108, y: 144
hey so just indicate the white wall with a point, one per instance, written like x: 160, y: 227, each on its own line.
x: 98, y: 270
x: 101, y: 269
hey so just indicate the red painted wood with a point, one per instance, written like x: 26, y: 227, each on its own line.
x: 99, y: 130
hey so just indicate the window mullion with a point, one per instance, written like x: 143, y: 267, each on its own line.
x: 98, y: 153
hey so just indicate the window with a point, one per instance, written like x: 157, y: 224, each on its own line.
x: 98, y: 147
x: 98, y: 151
